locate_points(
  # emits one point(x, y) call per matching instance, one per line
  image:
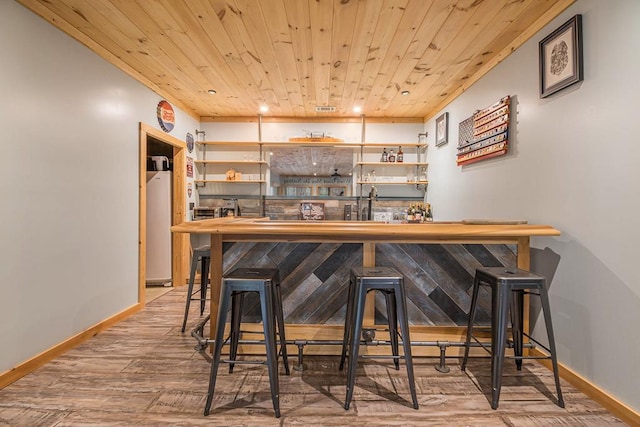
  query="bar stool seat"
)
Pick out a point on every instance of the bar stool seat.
point(266, 283)
point(391, 284)
point(202, 254)
point(508, 287)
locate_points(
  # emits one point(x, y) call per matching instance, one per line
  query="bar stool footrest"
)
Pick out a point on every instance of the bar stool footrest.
point(244, 362)
point(380, 356)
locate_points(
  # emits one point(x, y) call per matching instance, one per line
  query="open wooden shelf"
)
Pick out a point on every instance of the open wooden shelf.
point(412, 164)
point(230, 162)
point(303, 142)
point(392, 182)
point(224, 181)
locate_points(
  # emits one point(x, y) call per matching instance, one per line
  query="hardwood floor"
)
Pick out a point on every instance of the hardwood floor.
point(145, 372)
point(154, 292)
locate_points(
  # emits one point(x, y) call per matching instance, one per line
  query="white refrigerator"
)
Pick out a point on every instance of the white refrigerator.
point(158, 227)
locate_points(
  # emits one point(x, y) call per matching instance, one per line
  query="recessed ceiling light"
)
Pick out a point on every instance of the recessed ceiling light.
point(264, 108)
point(357, 109)
point(211, 92)
point(404, 93)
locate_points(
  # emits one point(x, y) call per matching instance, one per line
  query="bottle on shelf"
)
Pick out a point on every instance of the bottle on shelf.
point(400, 157)
point(423, 174)
point(392, 157)
point(385, 155)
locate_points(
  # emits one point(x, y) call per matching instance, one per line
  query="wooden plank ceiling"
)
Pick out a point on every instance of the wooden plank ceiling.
point(295, 55)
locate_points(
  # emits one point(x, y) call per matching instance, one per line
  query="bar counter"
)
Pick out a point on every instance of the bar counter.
point(392, 239)
point(263, 229)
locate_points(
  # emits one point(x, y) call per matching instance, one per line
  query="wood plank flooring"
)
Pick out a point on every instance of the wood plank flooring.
point(144, 372)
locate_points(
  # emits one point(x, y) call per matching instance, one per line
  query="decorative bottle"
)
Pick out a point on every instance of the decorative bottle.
point(385, 155)
point(392, 157)
point(400, 157)
point(423, 174)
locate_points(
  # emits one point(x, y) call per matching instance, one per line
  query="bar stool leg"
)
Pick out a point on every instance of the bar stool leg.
point(360, 294)
point(546, 310)
point(266, 303)
point(348, 323)
point(517, 325)
point(192, 278)
point(472, 315)
point(406, 342)
point(204, 282)
point(237, 302)
point(281, 334)
point(500, 296)
point(392, 319)
point(217, 346)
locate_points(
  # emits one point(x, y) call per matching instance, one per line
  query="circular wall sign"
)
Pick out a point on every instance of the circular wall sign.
point(166, 116)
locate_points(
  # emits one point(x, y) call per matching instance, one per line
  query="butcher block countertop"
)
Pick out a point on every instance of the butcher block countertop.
point(262, 229)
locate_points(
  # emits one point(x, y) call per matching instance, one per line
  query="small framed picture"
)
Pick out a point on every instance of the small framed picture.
point(561, 57)
point(311, 211)
point(442, 129)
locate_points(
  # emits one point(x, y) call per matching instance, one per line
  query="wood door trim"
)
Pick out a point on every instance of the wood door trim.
point(179, 243)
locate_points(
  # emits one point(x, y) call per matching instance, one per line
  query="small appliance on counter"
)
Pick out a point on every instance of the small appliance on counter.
point(205, 212)
point(230, 208)
point(159, 163)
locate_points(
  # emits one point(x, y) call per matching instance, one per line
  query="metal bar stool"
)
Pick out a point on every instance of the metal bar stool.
point(508, 287)
point(265, 282)
point(203, 254)
point(391, 284)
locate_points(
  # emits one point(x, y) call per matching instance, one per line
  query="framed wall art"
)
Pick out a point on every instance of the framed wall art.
point(442, 129)
point(561, 57)
point(311, 211)
point(485, 134)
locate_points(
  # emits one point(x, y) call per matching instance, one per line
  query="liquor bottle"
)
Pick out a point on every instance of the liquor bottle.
point(400, 157)
point(385, 156)
point(392, 157)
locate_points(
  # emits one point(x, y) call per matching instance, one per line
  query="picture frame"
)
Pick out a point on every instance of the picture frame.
point(311, 211)
point(442, 129)
point(560, 57)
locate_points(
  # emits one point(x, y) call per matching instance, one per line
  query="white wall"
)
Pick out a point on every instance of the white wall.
point(573, 163)
point(68, 184)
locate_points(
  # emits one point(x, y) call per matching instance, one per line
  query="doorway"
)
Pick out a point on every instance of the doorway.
point(162, 144)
